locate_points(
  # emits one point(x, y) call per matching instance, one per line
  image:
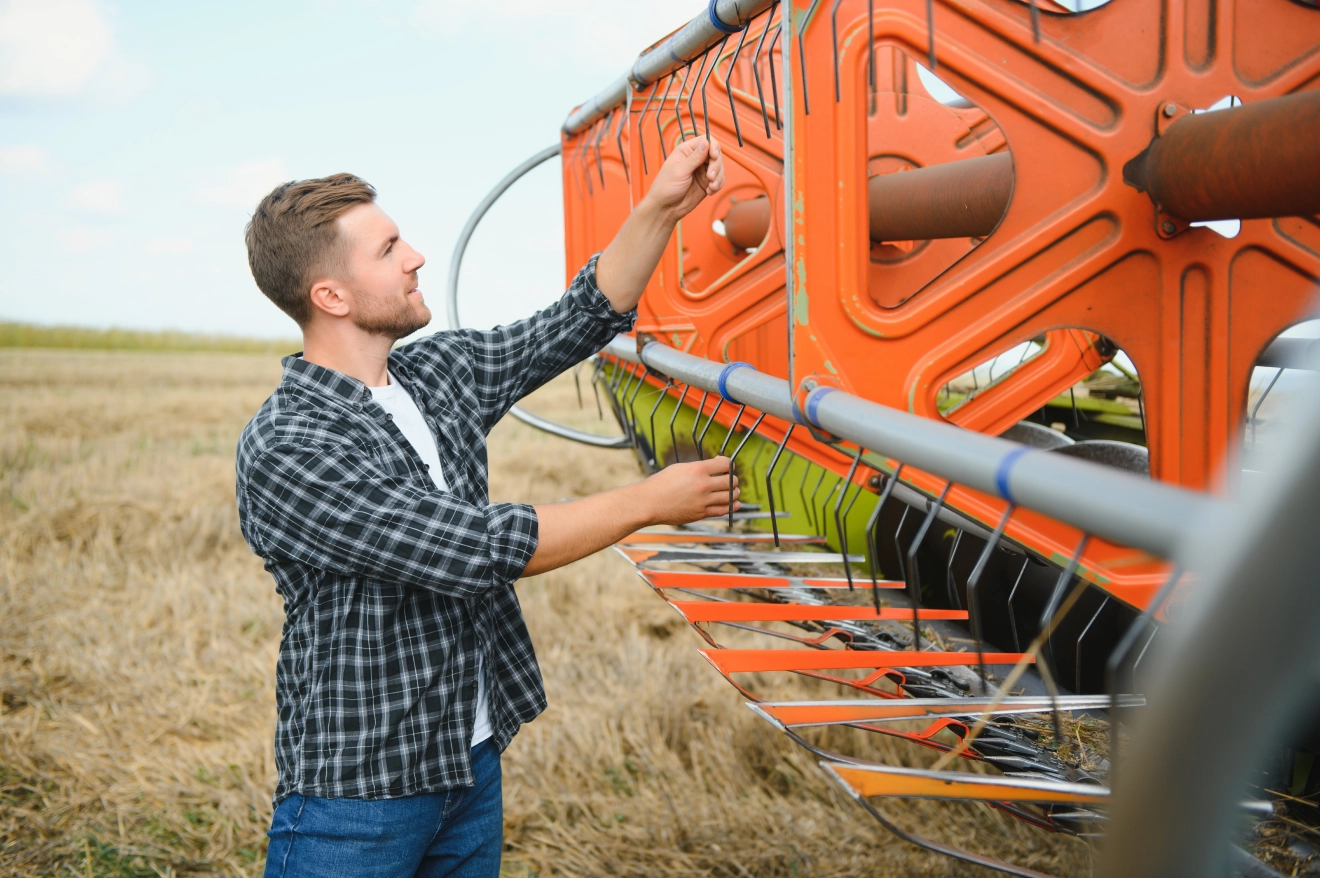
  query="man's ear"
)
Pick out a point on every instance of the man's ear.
point(330, 298)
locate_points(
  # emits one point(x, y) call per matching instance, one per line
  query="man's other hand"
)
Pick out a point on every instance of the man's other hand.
point(693, 170)
point(682, 493)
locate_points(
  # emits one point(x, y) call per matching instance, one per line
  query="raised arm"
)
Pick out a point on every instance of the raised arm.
point(693, 170)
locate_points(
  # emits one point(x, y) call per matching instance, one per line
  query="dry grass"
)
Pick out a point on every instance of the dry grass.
point(138, 638)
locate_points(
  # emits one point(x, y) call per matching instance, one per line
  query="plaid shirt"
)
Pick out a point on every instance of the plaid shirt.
point(392, 587)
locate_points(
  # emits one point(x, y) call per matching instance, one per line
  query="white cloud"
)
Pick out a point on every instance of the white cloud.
point(599, 34)
point(83, 239)
point(52, 48)
point(160, 246)
point(99, 196)
point(24, 158)
point(245, 185)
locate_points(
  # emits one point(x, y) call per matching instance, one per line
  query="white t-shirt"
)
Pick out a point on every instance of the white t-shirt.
point(408, 418)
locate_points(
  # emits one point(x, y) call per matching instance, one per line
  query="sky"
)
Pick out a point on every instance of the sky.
point(136, 137)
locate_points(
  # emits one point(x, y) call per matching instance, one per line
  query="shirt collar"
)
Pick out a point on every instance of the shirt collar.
point(319, 379)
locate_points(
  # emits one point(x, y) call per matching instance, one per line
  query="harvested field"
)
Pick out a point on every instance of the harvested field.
point(138, 638)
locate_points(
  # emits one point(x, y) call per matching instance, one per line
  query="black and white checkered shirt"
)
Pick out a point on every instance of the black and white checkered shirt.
point(391, 586)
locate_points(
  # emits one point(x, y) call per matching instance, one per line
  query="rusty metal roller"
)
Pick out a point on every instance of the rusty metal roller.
point(1251, 162)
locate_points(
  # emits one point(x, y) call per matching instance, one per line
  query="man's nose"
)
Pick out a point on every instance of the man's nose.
point(414, 261)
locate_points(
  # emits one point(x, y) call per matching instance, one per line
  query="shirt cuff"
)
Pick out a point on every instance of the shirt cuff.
point(513, 531)
point(588, 297)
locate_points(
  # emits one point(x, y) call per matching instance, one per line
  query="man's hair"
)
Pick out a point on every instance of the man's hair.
point(292, 240)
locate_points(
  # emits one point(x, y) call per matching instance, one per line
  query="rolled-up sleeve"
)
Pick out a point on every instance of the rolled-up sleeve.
point(335, 509)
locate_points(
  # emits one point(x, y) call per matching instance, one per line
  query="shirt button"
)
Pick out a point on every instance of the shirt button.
point(389, 417)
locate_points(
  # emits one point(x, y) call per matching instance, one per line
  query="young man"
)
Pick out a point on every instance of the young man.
point(405, 668)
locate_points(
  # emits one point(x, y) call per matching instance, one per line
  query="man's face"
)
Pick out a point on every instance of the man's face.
point(382, 274)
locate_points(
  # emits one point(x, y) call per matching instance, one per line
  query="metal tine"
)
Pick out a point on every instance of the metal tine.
point(802, 55)
point(825, 505)
point(623, 402)
point(618, 136)
point(732, 430)
point(930, 31)
point(1035, 20)
point(1254, 409)
point(950, 591)
point(702, 440)
point(870, 44)
point(734, 456)
point(1012, 617)
point(660, 398)
point(802, 488)
point(660, 110)
point(898, 543)
point(1077, 658)
point(728, 83)
point(696, 422)
point(584, 161)
point(600, 164)
point(811, 506)
point(696, 84)
point(834, 41)
point(912, 572)
point(973, 597)
point(705, 109)
point(1046, 618)
point(769, 492)
point(787, 466)
point(595, 380)
point(872, 541)
point(632, 400)
point(838, 519)
point(774, 86)
point(577, 382)
point(641, 137)
point(756, 67)
point(678, 101)
point(673, 437)
point(1120, 654)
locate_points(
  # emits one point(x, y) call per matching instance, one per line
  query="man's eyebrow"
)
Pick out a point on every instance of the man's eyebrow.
point(387, 244)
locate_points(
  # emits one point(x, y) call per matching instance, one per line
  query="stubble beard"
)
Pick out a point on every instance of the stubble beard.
point(394, 323)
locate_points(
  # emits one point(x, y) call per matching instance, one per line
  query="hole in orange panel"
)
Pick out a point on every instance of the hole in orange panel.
point(1285, 373)
point(918, 226)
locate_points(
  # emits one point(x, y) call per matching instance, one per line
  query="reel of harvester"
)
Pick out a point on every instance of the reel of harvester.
point(983, 372)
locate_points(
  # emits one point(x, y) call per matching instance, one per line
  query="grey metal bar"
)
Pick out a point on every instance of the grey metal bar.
point(1100, 500)
point(684, 45)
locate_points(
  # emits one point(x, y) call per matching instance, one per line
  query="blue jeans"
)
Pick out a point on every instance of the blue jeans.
point(459, 832)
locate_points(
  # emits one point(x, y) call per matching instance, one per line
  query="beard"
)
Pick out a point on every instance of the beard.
point(393, 320)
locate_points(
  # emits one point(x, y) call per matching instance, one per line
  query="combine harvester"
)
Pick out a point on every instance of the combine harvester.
point(986, 377)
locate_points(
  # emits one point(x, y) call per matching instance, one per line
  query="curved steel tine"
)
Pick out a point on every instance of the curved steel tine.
point(898, 542)
point(632, 400)
point(1043, 665)
point(623, 402)
point(1254, 409)
point(678, 101)
point(815, 523)
point(673, 437)
point(696, 422)
point(600, 164)
point(641, 138)
point(577, 382)
point(802, 55)
point(705, 109)
point(974, 599)
point(756, 67)
point(769, 492)
point(1012, 618)
point(834, 42)
point(732, 429)
point(584, 161)
point(784, 474)
point(618, 136)
point(737, 451)
point(1035, 20)
point(802, 490)
point(660, 397)
point(774, 86)
point(951, 592)
point(701, 452)
point(696, 84)
point(913, 572)
point(660, 111)
point(728, 83)
point(838, 518)
point(595, 381)
point(873, 541)
point(930, 31)
point(825, 505)
point(1120, 654)
point(1077, 658)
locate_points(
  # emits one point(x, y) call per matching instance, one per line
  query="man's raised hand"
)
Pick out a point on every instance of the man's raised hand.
point(682, 493)
point(693, 170)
